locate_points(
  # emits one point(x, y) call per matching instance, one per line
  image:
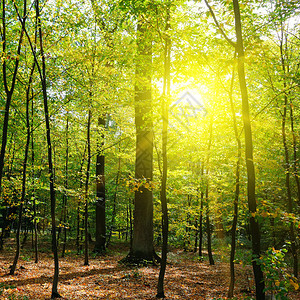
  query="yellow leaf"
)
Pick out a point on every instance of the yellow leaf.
point(294, 284)
point(277, 283)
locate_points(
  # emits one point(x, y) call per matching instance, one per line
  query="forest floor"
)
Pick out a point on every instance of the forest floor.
point(105, 278)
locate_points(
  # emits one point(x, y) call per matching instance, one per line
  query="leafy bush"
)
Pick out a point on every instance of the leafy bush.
point(277, 279)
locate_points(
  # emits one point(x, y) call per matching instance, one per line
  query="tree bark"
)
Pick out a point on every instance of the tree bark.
point(295, 153)
point(23, 194)
point(201, 214)
point(114, 210)
point(142, 250)
point(79, 231)
point(65, 195)
point(236, 194)
point(254, 226)
point(9, 92)
point(287, 166)
point(163, 191)
point(42, 73)
point(86, 238)
point(208, 229)
point(36, 255)
point(100, 191)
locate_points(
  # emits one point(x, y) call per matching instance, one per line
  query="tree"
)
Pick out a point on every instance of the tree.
point(86, 194)
point(24, 172)
point(254, 226)
point(142, 249)
point(100, 190)
point(208, 226)
point(287, 168)
point(163, 192)
point(236, 194)
point(42, 73)
point(9, 72)
point(65, 195)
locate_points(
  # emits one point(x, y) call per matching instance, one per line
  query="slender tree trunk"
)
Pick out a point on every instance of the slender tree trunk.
point(42, 73)
point(78, 245)
point(78, 226)
point(196, 224)
point(236, 194)
point(10, 207)
point(114, 210)
point(208, 228)
point(23, 194)
point(127, 223)
point(100, 190)
point(201, 214)
point(187, 241)
point(100, 245)
point(130, 223)
point(12, 154)
point(295, 153)
point(65, 195)
point(287, 164)
point(36, 259)
point(163, 191)
point(8, 91)
point(254, 226)
point(196, 236)
point(86, 240)
point(288, 188)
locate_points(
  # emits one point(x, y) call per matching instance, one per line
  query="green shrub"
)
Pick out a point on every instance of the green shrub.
point(277, 279)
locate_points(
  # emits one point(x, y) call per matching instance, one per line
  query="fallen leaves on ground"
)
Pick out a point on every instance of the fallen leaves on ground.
point(105, 278)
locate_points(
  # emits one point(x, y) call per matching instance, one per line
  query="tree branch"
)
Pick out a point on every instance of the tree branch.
point(218, 25)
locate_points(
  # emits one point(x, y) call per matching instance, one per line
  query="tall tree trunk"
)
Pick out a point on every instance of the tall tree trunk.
point(114, 210)
point(23, 194)
point(100, 190)
point(201, 214)
point(186, 242)
point(236, 194)
point(42, 73)
point(208, 228)
point(78, 234)
point(288, 189)
point(130, 222)
point(196, 224)
point(287, 162)
point(196, 236)
point(142, 250)
point(86, 238)
point(36, 255)
point(65, 195)
point(163, 191)
point(254, 226)
point(107, 28)
point(295, 153)
point(8, 91)
point(9, 210)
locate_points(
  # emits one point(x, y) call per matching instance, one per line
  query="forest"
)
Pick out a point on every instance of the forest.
point(150, 149)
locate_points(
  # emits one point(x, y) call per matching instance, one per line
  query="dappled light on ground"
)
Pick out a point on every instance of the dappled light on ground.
point(105, 278)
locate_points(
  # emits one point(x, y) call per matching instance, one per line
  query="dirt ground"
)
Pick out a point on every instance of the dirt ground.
point(105, 278)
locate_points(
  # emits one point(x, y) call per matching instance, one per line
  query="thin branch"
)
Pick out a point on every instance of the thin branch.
point(218, 25)
point(274, 98)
